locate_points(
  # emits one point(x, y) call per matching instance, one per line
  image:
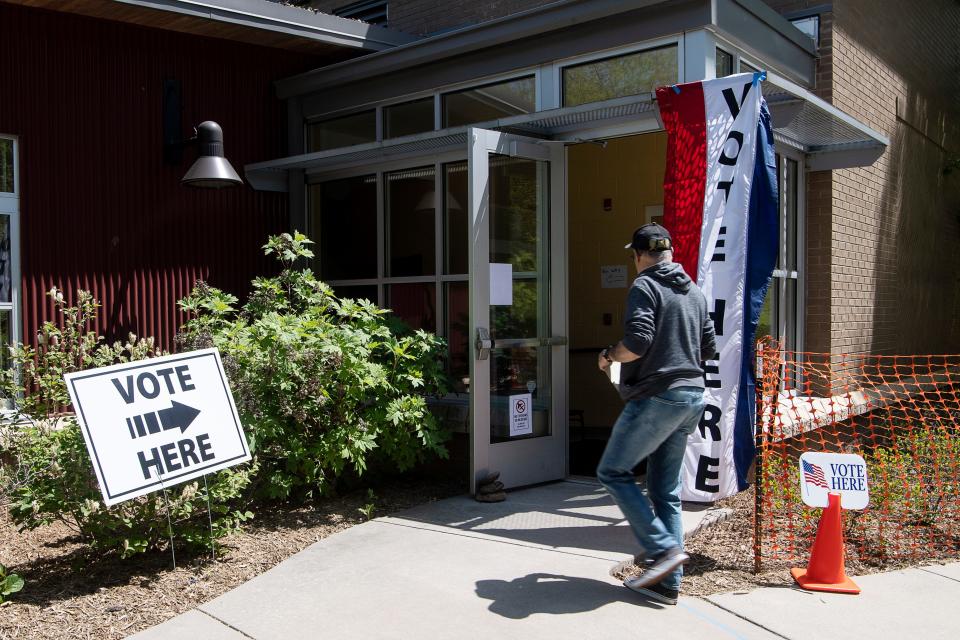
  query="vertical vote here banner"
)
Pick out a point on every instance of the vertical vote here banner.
point(720, 205)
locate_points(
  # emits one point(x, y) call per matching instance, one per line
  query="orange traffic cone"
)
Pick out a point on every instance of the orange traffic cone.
point(825, 572)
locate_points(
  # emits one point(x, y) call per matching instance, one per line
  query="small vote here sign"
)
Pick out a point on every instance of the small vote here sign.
point(154, 423)
point(843, 473)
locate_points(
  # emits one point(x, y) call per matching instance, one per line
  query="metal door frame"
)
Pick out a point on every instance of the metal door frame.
point(533, 460)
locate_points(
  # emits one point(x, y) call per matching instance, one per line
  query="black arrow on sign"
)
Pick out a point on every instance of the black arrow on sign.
point(178, 416)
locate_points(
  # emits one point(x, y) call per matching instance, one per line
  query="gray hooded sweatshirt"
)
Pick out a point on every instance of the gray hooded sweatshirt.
point(667, 324)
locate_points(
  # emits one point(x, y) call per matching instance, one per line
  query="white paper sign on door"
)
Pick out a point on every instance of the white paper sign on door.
point(501, 284)
point(521, 415)
point(613, 276)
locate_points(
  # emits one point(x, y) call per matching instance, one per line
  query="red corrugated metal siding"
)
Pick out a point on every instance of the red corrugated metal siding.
point(99, 209)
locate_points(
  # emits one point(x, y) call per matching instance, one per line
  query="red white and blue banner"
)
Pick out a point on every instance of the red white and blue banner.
point(720, 205)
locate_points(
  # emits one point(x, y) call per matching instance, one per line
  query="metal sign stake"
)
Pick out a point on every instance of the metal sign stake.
point(173, 553)
point(213, 548)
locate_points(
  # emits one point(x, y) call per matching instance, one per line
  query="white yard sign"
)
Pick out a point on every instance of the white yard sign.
point(843, 473)
point(157, 422)
point(521, 423)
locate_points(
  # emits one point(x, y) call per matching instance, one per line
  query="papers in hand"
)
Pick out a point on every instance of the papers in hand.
point(613, 373)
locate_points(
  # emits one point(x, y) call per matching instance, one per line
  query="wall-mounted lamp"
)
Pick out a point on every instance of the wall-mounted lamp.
point(211, 169)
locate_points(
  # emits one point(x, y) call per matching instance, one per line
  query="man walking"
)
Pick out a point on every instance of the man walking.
point(667, 335)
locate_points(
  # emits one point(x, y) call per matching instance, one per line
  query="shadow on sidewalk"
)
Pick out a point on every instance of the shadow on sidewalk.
point(552, 593)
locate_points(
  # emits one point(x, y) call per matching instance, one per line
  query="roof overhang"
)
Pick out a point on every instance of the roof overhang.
point(830, 138)
point(556, 30)
point(251, 21)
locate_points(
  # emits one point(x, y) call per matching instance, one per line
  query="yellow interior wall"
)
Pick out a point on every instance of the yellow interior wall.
point(629, 171)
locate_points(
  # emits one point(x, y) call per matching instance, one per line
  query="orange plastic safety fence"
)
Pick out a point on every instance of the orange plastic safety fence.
point(901, 413)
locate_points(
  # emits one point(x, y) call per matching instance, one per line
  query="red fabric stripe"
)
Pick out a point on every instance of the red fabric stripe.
point(684, 117)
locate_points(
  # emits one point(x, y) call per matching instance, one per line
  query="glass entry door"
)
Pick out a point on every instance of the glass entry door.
point(517, 308)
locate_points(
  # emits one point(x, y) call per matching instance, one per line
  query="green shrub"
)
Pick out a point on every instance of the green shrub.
point(10, 583)
point(48, 475)
point(322, 384)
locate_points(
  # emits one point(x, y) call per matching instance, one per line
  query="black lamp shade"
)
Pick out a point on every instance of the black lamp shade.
point(212, 169)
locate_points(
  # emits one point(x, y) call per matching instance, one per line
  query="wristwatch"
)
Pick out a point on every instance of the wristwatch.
point(605, 354)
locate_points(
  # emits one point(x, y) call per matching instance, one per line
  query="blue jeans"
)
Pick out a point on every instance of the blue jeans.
point(655, 428)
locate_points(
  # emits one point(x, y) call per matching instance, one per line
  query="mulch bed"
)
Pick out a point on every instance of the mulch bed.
point(71, 592)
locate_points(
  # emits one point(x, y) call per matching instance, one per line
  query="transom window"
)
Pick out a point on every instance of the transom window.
point(618, 76)
point(562, 83)
point(408, 118)
point(480, 104)
point(725, 63)
point(343, 131)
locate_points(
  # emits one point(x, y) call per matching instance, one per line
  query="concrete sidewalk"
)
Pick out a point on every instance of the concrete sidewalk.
point(536, 566)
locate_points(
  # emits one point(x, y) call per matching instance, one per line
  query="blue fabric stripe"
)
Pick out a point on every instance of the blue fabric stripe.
point(762, 235)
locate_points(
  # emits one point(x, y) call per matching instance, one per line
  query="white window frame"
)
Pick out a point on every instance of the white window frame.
point(799, 274)
point(10, 205)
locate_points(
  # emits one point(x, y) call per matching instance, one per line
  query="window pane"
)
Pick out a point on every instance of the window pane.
point(357, 292)
point(6, 165)
point(357, 128)
point(621, 76)
point(790, 193)
point(514, 372)
point(408, 118)
point(455, 218)
point(513, 212)
point(790, 316)
point(724, 63)
point(456, 320)
point(809, 26)
point(415, 304)
point(514, 196)
point(6, 265)
point(5, 340)
point(746, 67)
point(490, 102)
point(410, 222)
point(764, 327)
point(343, 221)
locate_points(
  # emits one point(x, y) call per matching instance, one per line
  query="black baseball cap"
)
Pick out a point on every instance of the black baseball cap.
point(650, 237)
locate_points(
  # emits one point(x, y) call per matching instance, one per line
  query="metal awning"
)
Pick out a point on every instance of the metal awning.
point(570, 124)
point(830, 138)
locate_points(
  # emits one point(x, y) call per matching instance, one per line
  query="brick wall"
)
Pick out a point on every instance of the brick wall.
point(881, 268)
point(423, 17)
point(895, 224)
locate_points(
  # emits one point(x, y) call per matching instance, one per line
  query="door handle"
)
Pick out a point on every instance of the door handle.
point(555, 341)
point(483, 343)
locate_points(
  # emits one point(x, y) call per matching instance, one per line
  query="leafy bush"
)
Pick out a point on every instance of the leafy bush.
point(322, 384)
point(49, 476)
point(10, 583)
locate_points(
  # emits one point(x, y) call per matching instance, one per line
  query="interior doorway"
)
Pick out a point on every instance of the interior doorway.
point(613, 187)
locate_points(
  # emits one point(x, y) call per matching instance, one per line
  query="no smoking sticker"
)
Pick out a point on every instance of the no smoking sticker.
point(521, 422)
